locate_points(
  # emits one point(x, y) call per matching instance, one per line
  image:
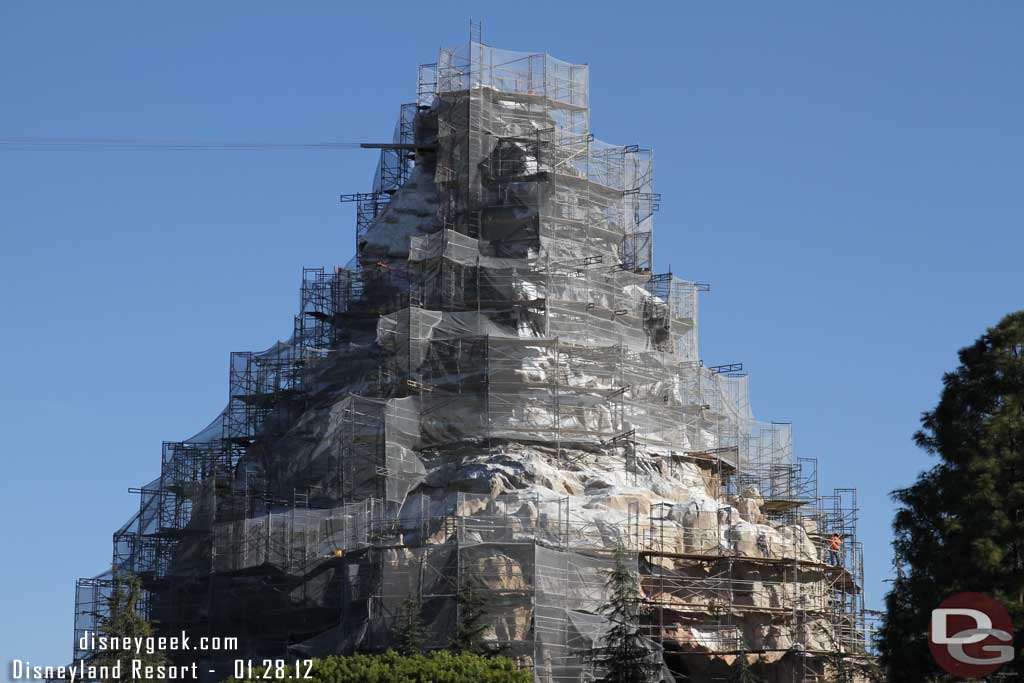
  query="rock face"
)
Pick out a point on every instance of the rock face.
point(496, 392)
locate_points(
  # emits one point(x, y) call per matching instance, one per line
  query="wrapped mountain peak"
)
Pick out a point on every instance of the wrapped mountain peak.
point(498, 390)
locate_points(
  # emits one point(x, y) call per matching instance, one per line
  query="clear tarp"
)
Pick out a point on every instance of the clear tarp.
point(499, 389)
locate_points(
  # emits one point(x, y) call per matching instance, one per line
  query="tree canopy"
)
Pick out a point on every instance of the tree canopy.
point(472, 623)
point(123, 620)
point(623, 655)
point(409, 633)
point(960, 526)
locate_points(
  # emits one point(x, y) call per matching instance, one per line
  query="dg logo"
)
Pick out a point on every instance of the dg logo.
point(970, 635)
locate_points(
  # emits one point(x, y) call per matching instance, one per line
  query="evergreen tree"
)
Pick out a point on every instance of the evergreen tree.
point(624, 655)
point(846, 669)
point(745, 672)
point(472, 624)
point(960, 526)
point(123, 620)
point(409, 634)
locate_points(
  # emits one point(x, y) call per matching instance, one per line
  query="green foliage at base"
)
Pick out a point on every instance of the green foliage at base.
point(624, 656)
point(122, 620)
point(469, 634)
point(436, 667)
point(745, 671)
point(409, 634)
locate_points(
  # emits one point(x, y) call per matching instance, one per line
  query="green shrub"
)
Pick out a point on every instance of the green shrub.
point(437, 667)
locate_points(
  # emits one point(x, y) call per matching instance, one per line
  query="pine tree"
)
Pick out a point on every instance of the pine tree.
point(745, 672)
point(846, 669)
point(968, 508)
point(409, 634)
point(123, 620)
point(624, 655)
point(469, 632)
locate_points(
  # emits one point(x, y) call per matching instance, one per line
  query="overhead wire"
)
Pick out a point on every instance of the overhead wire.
point(62, 144)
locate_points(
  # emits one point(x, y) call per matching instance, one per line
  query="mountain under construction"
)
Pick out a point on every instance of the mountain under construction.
point(497, 390)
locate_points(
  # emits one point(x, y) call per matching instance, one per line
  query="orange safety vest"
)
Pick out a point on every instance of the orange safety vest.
point(835, 542)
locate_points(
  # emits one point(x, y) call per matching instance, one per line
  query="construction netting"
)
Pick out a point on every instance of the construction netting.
point(498, 389)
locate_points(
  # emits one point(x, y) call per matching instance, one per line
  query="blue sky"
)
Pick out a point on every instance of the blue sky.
point(848, 179)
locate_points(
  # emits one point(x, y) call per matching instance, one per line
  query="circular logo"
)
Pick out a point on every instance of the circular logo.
point(970, 635)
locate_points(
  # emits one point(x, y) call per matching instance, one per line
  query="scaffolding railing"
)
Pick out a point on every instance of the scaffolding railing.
point(529, 75)
point(525, 317)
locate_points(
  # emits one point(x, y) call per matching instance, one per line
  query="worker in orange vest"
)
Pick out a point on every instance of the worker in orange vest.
point(835, 544)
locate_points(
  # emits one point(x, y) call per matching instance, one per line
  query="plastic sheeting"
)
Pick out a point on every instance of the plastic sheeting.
point(496, 389)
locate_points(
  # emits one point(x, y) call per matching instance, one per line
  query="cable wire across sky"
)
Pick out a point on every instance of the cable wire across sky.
point(61, 144)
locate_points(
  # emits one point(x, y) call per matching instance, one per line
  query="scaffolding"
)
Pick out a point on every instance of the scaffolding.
point(498, 389)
